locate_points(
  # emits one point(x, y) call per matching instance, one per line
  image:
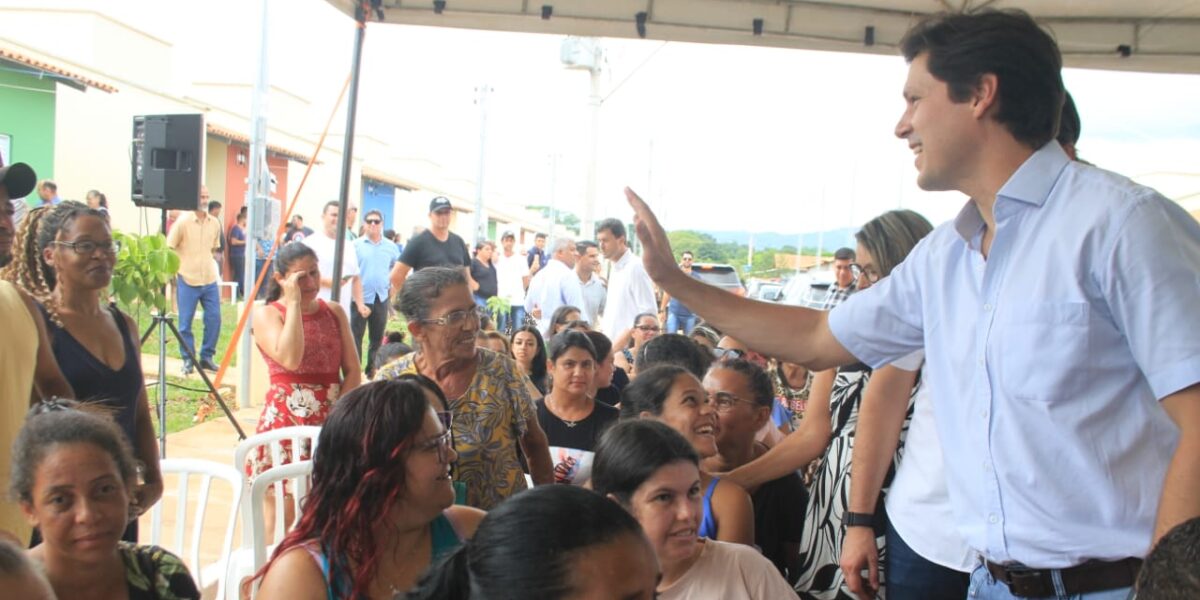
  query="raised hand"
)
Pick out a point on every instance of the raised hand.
point(656, 248)
point(290, 288)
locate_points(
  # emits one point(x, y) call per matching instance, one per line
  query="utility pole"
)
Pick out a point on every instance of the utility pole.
point(480, 217)
point(258, 189)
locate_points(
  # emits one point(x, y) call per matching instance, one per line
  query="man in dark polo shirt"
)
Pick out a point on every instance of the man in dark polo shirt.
point(434, 247)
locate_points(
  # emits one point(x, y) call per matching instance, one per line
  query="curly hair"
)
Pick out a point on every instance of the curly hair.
point(61, 421)
point(40, 228)
point(359, 475)
point(756, 377)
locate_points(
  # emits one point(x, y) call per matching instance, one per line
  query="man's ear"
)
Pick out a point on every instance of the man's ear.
point(985, 95)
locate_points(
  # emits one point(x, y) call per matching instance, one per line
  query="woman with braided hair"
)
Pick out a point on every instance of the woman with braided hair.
point(64, 257)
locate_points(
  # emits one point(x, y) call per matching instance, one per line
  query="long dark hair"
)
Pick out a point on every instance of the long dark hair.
point(358, 475)
point(537, 372)
point(631, 451)
point(649, 390)
point(288, 254)
point(526, 547)
point(559, 319)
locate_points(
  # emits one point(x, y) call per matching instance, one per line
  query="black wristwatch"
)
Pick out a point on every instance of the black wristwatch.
point(853, 519)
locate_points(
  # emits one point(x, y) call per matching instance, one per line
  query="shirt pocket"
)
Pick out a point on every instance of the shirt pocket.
point(1041, 351)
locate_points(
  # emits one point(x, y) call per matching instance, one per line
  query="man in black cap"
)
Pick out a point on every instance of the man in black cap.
point(434, 247)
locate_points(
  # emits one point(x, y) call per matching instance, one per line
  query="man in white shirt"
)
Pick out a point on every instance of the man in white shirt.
point(630, 292)
point(555, 285)
point(512, 277)
point(322, 242)
point(593, 288)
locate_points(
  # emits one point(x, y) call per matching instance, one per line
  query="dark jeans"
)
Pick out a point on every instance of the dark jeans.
point(259, 265)
point(513, 320)
point(208, 297)
point(237, 264)
point(376, 322)
point(911, 577)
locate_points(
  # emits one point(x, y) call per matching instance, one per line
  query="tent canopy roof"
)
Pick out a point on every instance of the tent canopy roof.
point(1157, 35)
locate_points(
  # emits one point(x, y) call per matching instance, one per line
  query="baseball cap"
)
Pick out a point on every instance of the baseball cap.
point(18, 178)
point(439, 203)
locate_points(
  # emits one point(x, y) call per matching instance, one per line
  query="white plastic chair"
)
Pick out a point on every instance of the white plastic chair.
point(208, 471)
point(298, 434)
point(253, 554)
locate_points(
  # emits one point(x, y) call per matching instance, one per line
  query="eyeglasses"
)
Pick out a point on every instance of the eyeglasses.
point(728, 353)
point(859, 271)
point(88, 248)
point(444, 442)
point(649, 328)
point(724, 402)
point(456, 318)
point(373, 221)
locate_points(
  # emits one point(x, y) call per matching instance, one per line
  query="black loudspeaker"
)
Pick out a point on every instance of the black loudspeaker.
point(167, 161)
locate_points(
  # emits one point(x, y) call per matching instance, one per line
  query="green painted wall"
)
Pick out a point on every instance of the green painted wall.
point(27, 116)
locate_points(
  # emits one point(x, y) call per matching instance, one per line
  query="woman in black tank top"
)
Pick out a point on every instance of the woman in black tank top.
point(65, 258)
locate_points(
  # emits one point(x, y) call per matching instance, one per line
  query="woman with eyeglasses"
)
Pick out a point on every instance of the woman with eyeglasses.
point(646, 327)
point(65, 255)
point(74, 474)
point(673, 395)
point(780, 424)
point(570, 416)
point(309, 350)
point(381, 508)
point(652, 471)
point(827, 431)
point(488, 394)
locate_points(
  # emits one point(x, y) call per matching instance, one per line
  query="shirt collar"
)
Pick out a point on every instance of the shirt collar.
point(1031, 184)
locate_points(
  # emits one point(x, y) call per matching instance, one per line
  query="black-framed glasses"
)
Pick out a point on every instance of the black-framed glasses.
point(373, 221)
point(456, 318)
point(859, 271)
point(649, 328)
point(728, 353)
point(443, 442)
point(88, 248)
point(724, 401)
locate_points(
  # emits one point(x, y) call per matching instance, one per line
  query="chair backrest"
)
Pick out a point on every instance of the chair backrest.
point(207, 471)
point(299, 436)
point(298, 475)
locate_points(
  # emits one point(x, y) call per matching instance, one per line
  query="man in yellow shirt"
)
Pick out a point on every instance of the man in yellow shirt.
point(26, 359)
point(194, 236)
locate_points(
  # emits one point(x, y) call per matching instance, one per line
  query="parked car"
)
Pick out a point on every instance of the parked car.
point(807, 289)
point(769, 291)
point(722, 276)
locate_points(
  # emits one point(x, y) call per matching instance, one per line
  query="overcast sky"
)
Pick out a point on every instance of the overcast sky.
point(718, 137)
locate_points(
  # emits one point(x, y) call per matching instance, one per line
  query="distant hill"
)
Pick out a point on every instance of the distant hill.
point(833, 239)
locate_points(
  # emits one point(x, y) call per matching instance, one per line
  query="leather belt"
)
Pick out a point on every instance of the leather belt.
point(1091, 576)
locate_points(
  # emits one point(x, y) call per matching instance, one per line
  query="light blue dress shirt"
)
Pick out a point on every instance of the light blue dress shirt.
point(553, 286)
point(375, 260)
point(1047, 359)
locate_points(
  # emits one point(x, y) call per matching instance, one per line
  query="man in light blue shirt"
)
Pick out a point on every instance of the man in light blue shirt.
point(376, 257)
point(554, 285)
point(1057, 312)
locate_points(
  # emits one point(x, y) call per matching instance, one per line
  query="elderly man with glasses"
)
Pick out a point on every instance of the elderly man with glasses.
point(376, 257)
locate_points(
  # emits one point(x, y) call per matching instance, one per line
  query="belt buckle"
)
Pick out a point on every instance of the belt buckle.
point(1027, 583)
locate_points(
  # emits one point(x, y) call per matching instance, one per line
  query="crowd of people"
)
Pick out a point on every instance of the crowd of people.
point(1003, 406)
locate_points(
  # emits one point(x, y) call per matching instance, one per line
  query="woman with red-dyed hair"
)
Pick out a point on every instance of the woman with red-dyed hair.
point(380, 510)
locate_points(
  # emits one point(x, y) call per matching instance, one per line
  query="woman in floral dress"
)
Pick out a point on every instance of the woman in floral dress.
point(308, 349)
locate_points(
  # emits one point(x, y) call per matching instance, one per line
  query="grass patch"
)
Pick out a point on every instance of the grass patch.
point(185, 400)
point(229, 318)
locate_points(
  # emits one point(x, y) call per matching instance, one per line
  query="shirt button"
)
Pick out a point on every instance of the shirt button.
point(993, 519)
point(981, 362)
point(987, 307)
point(983, 413)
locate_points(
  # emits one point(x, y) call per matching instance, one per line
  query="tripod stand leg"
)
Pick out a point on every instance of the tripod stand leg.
point(207, 382)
